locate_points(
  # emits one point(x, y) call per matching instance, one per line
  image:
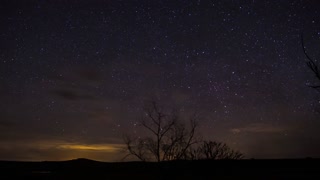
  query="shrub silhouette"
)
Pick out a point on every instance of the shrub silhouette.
point(212, 150)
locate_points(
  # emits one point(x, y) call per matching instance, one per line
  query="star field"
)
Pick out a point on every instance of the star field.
point(75, 74)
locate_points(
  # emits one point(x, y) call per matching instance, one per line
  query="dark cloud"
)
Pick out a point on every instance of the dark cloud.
point(73, 95)
point(90, 75)
point(4, 123)
point(79, 74)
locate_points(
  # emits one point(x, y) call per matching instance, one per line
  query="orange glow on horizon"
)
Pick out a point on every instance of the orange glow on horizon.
point(93, 147)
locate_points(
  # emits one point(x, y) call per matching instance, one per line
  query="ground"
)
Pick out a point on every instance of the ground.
point(224, 169)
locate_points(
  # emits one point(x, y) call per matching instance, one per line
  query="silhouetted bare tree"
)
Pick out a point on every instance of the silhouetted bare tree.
point(212, 150)
point(169, 138)
point(311, 64)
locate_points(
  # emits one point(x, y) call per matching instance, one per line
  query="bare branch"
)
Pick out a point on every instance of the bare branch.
point(311, 63)
point(136, 150)
point(144, 124)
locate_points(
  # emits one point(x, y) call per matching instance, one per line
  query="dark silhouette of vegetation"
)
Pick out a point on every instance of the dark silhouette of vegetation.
point(311, 64)
point(170, 139)
point(211, 150)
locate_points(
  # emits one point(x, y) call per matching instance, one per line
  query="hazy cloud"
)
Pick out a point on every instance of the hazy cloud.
point(258, 128)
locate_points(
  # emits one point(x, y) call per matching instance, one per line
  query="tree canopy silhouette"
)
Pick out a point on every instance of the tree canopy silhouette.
point(169, 138)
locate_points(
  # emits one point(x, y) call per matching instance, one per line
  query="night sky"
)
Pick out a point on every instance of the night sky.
point(74, 75)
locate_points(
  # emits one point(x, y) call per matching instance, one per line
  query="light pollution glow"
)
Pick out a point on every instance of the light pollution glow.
point(60, 150)
point(93, 147)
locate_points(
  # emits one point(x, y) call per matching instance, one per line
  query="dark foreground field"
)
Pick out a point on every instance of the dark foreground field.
point(226, 169)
